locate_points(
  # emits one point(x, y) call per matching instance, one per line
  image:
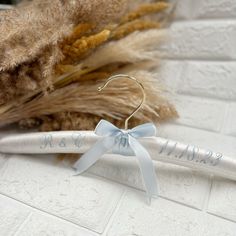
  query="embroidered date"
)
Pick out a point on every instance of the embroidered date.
point(190, 153)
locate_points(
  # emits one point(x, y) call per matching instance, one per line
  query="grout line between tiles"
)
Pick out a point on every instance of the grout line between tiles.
point(110, 221)
point(23, 224)
point(207, 197)
point(47, 213)
point(221, 217)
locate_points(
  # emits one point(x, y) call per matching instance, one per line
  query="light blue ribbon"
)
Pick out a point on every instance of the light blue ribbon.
point(123, 142)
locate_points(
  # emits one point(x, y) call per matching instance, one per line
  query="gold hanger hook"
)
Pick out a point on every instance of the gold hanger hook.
point(131, 78)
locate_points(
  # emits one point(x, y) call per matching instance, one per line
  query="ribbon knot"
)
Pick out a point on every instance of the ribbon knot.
point(123, 142)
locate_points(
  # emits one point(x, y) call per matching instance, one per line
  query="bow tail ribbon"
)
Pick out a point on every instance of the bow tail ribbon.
point(93, 154)
point(146, 167)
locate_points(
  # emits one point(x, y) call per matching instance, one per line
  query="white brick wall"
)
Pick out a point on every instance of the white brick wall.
point(203, 40)
point(203, 49)
point(40, 197)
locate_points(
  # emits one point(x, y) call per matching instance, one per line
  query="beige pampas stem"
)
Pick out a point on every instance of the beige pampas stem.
point(133, 48)
point(145, 9)
point(136, 25)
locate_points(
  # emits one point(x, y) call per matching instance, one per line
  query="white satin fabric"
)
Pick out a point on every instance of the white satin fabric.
point(159, 148)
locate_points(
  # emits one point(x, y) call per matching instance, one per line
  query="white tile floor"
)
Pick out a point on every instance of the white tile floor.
point(39, 196)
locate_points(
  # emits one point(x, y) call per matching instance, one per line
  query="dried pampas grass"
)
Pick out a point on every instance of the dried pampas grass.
point(136, 47)
point(122, 94)
point(28, 29)
point(139, 46)
point(51, 84)
point(145, 9)
point(32, 33)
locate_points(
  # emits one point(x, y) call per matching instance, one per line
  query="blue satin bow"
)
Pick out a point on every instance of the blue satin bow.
point(123, 142)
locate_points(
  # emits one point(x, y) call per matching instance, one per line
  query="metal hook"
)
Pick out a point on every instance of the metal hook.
point(140, 85)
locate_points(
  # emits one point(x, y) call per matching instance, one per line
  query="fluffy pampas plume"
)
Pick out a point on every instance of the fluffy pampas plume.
point(54, 55)
point(136, 47)
point(31, 28)
point(31, 33)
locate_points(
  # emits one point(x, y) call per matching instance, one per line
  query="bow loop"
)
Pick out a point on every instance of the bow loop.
point(144, 130)
point(105, 128)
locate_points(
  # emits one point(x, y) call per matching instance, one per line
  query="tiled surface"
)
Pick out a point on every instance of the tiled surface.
point(3, 160)
point(40, 225)
point(179, 184)
point(40, 197)
point(223, 199)
point(19, 219)
point(53, 189)
point(165, 218)
point(12, 215)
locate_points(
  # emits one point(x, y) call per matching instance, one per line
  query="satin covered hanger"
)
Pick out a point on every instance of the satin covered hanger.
point(140, 141)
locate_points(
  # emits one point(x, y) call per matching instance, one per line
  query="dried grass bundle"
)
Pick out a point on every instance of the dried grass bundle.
point(138, 46)
point(74, 97)
point(32, 32)
point(28, 29)
point(54, 81)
